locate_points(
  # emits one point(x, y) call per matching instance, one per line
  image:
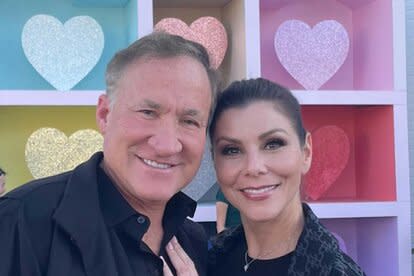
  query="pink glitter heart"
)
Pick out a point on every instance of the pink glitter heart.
point(311, 56)
point(330, 155)
point(207, 31)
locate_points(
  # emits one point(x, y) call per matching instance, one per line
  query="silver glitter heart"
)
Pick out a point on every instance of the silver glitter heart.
point(63, 54)
point(204, 179)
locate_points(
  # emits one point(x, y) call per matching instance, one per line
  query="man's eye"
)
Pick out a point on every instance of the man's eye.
point(148, 112)
point(274, 144)
point(230, 151)
point(192, 123)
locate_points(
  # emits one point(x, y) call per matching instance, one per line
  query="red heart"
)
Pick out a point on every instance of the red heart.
point(207, 31)
point(330, 155)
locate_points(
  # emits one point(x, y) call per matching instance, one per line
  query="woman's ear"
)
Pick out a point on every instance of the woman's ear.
point(307, 153)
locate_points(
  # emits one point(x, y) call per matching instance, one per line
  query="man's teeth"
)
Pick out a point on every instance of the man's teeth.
point(261, 190)
point(155, 164)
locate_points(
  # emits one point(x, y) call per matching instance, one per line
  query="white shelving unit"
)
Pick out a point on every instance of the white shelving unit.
point(385, 215)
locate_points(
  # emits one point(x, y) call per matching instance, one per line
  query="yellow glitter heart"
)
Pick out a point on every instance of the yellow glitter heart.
point(49, 151)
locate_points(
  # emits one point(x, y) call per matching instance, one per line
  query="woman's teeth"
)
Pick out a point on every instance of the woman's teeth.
point(260, 190)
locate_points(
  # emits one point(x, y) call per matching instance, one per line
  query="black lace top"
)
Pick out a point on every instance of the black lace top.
point(317, 253)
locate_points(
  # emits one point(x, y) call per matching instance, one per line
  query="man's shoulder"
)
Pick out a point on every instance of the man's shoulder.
point(39, 187)
point(35, 196)
point(194, 230)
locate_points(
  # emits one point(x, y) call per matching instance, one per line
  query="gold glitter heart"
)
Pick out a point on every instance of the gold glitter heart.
point(49, 151)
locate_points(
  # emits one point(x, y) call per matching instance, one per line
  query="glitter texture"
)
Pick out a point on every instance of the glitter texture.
point(207, 31)
point(331, 150)
point(62, 54)
point(311, 56)
point(204, 179)
point(49, 151)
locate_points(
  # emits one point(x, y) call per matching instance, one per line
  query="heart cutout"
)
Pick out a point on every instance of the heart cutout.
point(331, 150)
point(207, 31)
point(49, 151)
point(205, 177)
point(62, 54)
point(311, 56)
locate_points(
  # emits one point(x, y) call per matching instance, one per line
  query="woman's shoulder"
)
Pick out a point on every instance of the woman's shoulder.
point(318, 249)
point(345, 266)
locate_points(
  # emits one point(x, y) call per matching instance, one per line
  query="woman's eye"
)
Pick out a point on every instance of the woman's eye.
point(274, 144)
point(230, 151)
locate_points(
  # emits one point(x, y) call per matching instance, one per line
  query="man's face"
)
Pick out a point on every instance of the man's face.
point(155, 131)
point(2, 183)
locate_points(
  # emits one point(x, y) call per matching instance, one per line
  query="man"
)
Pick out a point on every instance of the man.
point(2, 181)
point(116, 213)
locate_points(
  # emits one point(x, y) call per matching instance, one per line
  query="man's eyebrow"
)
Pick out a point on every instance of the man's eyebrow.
point(150, 104)
point(191, 112)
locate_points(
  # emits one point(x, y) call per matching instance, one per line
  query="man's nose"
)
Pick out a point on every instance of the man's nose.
point(166, 139)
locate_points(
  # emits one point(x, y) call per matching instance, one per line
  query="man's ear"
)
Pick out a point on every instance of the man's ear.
point(307, 153)
point(102, 112)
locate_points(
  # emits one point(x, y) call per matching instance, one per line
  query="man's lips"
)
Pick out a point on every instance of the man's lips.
point(155, 164)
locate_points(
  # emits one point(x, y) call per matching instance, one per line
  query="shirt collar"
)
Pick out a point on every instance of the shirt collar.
point(115, 208)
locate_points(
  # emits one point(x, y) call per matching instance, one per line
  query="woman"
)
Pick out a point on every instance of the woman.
point(261, 150)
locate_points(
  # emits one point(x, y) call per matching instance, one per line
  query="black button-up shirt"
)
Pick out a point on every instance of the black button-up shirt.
point(126, 227)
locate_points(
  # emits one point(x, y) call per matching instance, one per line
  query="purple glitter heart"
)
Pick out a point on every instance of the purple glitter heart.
point(311, 56)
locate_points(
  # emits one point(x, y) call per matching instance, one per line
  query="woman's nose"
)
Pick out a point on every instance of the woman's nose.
point(255, 164)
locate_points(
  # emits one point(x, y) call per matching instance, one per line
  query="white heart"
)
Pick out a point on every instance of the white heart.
point(311, 56)
point(63, 54)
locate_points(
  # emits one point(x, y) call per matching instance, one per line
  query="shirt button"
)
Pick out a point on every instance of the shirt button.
point(140, 219)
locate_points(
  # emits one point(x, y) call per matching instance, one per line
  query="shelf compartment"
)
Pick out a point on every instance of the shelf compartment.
point(369, 23)
point(19, 122)
point(229, 12)
point(370, 172)
point(16, 73)
point(371, 242)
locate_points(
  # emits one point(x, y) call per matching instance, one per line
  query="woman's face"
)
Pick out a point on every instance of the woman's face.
point(259, 160)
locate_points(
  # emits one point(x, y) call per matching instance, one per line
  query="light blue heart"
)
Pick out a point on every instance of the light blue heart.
point(63, 54)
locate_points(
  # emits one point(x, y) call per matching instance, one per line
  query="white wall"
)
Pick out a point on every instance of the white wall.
point(410, 98)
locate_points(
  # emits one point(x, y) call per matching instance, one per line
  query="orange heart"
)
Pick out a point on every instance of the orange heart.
point(207, 31)
point(331, 149)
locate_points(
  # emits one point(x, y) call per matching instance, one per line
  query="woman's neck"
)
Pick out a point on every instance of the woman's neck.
point(277, 237)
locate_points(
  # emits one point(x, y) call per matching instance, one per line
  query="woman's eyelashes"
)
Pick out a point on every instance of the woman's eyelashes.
point(230, 150)
point(272, 144)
